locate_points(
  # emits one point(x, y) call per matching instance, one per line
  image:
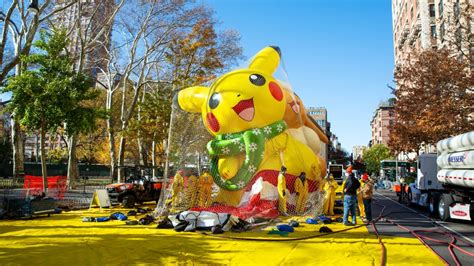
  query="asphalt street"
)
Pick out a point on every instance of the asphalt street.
point(398, 218)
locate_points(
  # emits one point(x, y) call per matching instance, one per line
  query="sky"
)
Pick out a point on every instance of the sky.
point(338, 54)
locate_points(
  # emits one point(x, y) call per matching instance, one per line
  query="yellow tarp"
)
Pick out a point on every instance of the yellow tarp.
point(65, 240)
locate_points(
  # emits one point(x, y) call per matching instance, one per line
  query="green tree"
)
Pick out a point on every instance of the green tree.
point(49, 94)
point(374, 155)
point(198, 56)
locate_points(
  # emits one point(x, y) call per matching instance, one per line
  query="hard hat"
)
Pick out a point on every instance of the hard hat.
point(349, 170)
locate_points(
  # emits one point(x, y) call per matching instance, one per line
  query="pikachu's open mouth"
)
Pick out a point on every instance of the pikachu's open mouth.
point(245, 109)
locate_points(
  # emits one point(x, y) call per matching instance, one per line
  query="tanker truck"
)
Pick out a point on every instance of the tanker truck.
point(445, 181)
point(456, 174)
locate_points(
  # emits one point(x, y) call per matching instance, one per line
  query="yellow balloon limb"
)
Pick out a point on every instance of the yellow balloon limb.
point(301, 188)
point(191, 191)
point(282, 196)
point(176, 189)
point(205, 190)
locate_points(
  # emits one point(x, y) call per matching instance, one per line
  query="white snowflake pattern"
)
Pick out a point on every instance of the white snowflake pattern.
point(252, 168)
point(241, 147)
point(262, 155)
point(226, 150)
point(280, 128)
point(253, 146)
point(236, 140)
point(256, 131)
point(241, 184)
point(267, 130)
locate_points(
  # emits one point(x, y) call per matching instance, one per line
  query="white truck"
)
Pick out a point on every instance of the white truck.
point(445, 181)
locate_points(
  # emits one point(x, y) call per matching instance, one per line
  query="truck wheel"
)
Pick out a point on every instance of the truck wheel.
point(443, 206)
point(128, 201)
point(433, 205)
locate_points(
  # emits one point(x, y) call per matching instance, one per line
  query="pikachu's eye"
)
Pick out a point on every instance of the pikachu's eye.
point(215, 100)
point(257, 79)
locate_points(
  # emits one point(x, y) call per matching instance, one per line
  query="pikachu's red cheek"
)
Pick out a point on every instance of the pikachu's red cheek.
point(275, 90)
point(212, 122)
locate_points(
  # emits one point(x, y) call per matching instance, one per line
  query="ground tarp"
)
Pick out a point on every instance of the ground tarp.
point(65, 240)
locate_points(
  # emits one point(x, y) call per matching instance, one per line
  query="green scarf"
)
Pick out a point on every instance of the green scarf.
point(252, 142)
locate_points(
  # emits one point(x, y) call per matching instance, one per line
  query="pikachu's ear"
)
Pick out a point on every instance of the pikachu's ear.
point(266, 60)
point(191, 99)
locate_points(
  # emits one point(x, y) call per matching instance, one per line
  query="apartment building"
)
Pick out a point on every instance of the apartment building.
point(85, 20)
point(320, 115)
point(357, 152)
point(383, 117)
point(432, 24)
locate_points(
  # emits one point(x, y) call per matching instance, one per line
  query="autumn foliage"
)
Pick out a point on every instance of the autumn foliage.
point(434, 100)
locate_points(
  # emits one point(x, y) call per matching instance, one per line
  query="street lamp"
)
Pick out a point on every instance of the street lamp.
point(33, 7)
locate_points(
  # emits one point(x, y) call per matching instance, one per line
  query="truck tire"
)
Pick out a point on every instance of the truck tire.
point(443, 206)
point(433, 204)
point(128, 201)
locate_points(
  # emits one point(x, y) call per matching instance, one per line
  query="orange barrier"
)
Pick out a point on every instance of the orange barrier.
point(397, 188)
point(57, 185)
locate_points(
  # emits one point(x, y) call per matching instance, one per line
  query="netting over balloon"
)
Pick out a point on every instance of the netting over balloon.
point(252, 151)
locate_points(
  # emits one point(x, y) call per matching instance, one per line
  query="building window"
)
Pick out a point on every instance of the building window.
point(432, 10)
point(390, 122)
point(433, 31)
point(441, 32)
point(411, 13)
point(440, 8)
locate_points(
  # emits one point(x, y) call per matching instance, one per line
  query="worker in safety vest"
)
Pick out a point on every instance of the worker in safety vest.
point(367, 192)
point(330, 187)
point(360, 204)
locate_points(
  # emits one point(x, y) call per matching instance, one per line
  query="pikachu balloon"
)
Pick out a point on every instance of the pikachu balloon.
point(244, 110)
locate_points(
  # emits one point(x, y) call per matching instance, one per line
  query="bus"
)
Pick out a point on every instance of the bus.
point(388, 170)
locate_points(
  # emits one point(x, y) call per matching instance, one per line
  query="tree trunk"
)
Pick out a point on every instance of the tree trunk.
point(72, 167)
point(18, 154)
point(44, 171)
point(121, 158)
point(37, 148)
point(17, 138)
point(153, 156)
point(141, 152)
point(113, 165)
point(110, 129)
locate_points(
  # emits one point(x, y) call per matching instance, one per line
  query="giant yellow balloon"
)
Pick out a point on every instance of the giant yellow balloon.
point(244, 109)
